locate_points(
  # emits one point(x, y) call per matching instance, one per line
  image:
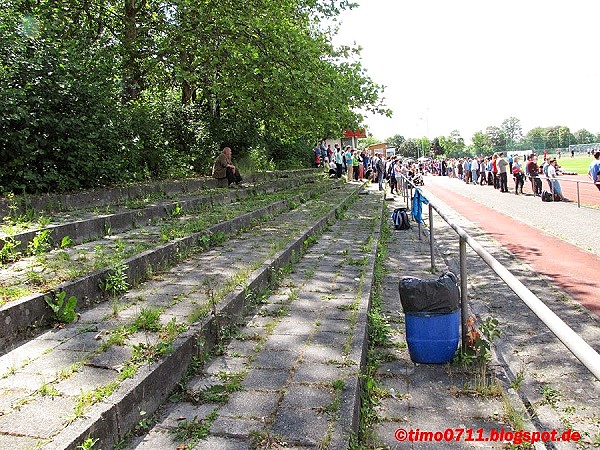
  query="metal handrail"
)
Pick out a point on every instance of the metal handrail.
point(574, 343)
point(560, 178)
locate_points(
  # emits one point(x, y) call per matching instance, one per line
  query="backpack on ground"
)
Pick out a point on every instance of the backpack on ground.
point(400, 219)
point(547, 196)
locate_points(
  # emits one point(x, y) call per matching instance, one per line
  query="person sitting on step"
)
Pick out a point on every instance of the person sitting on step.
point(224, 169)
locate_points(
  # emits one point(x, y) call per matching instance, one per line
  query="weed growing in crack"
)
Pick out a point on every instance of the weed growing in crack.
point(148, 319)
point(550, 394)
point(116, 283)
point(379, 331)
point(478, 353)
point(9, 252)
point(194, 430)
point(87, 444)
point(41, 243)
point(266, 440)
point(63, 308)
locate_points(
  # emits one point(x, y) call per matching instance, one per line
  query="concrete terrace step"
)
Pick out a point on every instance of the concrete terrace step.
point(117, 195)
point(292, 373)
point(94, 377)
point(82, 226)
point(31, 312)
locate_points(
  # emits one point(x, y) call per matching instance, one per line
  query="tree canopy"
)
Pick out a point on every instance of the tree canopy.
point(106, 91)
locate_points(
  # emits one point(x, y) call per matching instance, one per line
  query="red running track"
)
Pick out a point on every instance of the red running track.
point(570, 268)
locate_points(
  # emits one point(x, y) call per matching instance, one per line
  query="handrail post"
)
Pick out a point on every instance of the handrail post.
point(463, 291)
point(578, 199)
point(431, 238)
point(403, 188)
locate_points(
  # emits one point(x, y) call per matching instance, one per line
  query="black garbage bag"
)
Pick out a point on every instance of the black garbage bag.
point(435, 296)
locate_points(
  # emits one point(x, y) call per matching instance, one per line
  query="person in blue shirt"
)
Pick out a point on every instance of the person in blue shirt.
point(595, 169)
point(348, 158)
point(339, 161)
point(324, 155)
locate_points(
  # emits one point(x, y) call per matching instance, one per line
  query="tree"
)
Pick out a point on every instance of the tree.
point(435, 149)
point(565, 137)
point(424, 146)
point(409, 149)
point(365, 142)
point(395, 141)
point(583, 136)
point(511, 128)
point(496, 138)
point(115, 90)
point(552, 137)
point(481, 144)
point(453, 145)
point(536, 138)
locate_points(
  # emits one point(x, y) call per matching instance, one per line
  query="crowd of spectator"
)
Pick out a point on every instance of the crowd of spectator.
point(497, 169)
point(358, 165)
point(494, 170)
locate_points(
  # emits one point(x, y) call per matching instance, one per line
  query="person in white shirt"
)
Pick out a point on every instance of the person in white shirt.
point(553, 180)
point(482, 172)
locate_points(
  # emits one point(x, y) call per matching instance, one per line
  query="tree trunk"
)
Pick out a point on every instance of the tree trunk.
point(133, 79)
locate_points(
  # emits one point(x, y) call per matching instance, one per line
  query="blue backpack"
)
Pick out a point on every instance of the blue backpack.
point(400, 219)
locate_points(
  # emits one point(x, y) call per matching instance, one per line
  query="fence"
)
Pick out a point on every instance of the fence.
point(576, 345)
point(589, 192)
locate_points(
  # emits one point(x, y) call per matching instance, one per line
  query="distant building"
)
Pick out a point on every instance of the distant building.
point(381, 148)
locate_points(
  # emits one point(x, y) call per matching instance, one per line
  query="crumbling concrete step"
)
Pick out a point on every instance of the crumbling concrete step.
point(290, 376)
point(82, 227)
point(97, 377)
point(111, 196)
point(30, 314)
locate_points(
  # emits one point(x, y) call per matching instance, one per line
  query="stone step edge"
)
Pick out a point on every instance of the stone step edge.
point(93, 228)
point(111, 420)
point(30, 315)
point(350, 399)
point(102, 197)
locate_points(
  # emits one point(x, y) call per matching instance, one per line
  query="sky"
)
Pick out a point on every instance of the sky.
point(468, 64)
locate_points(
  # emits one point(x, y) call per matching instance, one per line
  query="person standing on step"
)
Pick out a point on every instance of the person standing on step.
point(517, 171)
point(534, 174)
point(339, 161)
point(594, 171)
point(356, 163)
point(379, 165)
point(474, 170)
point(348, 156)
point(502, 165)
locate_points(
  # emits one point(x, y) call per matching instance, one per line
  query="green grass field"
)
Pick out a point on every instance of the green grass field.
point(579, 164)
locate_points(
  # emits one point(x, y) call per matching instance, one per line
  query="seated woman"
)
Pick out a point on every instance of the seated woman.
point(332, 169)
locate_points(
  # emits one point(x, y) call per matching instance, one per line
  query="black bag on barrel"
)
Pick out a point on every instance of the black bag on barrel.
point(434, 296)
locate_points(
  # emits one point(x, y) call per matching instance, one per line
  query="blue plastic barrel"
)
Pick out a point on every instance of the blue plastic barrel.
point(432, 338)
